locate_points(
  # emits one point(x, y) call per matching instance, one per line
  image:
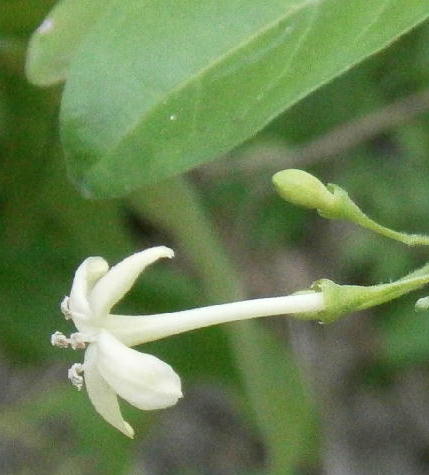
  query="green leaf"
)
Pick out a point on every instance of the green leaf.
point(154, 91)
point(54, 43)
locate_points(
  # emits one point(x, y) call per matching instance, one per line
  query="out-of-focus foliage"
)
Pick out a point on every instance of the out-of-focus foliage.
point(47, 228)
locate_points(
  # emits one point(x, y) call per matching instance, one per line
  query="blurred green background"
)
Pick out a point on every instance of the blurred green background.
point(366, 378)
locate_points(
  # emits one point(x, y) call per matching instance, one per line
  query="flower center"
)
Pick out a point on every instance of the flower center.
point(77, 341)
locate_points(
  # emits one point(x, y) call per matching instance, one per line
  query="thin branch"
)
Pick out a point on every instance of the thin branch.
point(351, 134)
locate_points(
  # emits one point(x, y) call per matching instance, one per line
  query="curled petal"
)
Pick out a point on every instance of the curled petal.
point(143, 380)
point(120, 278)
point(102, 396)
point(85, 277)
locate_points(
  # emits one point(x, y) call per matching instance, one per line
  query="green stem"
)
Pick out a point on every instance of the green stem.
point(345, 208)
point(175, 206)
point(408, 239)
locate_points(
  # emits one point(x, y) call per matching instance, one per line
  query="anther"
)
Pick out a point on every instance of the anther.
point(74, 375)
point(60, 340)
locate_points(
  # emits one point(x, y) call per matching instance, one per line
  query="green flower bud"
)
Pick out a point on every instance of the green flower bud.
point(302, 189)
point(422, 304)
point(332, 202)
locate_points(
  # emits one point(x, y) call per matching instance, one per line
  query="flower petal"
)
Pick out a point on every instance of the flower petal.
point(85, 277)
point(102, 395)
point(120, 278)
point(143, 380)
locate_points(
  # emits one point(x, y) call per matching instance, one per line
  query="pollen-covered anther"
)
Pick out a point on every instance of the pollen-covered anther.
point(65, 308)
point(74, 374)
point(60, 340)
point(78, 341)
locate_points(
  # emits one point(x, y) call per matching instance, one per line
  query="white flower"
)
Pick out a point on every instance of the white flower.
point(110, 367)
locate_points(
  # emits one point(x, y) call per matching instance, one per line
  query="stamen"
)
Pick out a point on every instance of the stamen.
point(60, 340)
point(65, 308)
point(74, 375)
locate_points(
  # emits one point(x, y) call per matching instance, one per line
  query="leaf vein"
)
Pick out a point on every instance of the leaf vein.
point(299, 44)
point(374, 21)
